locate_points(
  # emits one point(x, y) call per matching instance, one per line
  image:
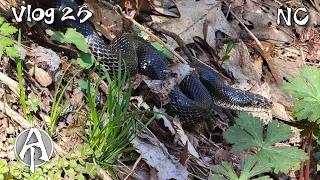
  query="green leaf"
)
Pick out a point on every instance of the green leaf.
point(71, 173)
point(72, 36)
point(82, 84)
point(225, 57)
point(306, 88)
point(248, 133)
point(7, 44)
point(226, 169)
point(164, 51)
point(282, 158)
point(230, 46)
point(11, 140)
point(5, 41)
point(58, 36)
point(3, 163)
point(86, 60)
point(6, 29)
point(81, 177)
point(12, 52)
point(250, 168)
point(73, 163)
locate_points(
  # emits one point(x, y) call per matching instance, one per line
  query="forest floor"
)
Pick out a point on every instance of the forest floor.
point(167, 149)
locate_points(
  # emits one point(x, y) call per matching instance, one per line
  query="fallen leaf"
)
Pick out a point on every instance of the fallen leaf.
point(42, 77)
point(155, 157)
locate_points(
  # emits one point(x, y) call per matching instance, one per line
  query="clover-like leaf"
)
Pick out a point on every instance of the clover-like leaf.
point(248, 133)
point(306, 88)
point(250, 168)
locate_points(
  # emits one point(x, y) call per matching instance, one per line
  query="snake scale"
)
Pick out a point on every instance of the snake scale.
point(191, 100)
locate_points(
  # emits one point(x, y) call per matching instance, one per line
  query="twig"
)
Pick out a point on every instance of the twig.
point(134, 167)
point(13, 85)
point(248, 31)
point(177, 38)
point(102, 84)
point(302, 162)
point(309, 139)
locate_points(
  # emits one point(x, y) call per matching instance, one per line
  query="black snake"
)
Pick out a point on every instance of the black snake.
point(191, 100)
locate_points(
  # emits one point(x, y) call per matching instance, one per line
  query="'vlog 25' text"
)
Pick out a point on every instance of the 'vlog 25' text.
point(39, 14)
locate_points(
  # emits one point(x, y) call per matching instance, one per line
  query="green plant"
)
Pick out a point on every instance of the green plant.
point(71, 36)
point(33, 103)
point(230, 46)
point(250, 168)
point(7, 47)
point(20, 80)
point(72, 166)
point(6, 42)
point(3, 168)
point(118, 130)
point(56, 110)
point(248, 133)
point(306, 89)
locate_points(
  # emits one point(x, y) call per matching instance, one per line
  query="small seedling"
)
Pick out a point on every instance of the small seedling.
point(230, 46)
point(33, 103)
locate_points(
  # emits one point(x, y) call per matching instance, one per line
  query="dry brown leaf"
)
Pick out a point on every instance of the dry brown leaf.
point(42, 77)
point(164, 7)
point(184, 155)
point(163, 88)
point(106, 21)
point(46, 58)
point(156, 158)
point(222, 155)
point(262, 16)
point(193, 16)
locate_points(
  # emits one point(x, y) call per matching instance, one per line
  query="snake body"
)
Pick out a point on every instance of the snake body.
point(191, 100)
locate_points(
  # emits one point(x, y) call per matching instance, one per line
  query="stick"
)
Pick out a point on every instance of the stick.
point(248, 30)
point(13, 85)
point(177, 38)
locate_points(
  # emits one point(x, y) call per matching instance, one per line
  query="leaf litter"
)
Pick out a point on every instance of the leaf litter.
point(245, 69)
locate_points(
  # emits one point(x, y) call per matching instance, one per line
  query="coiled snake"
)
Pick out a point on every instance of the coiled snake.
point(194, 96)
